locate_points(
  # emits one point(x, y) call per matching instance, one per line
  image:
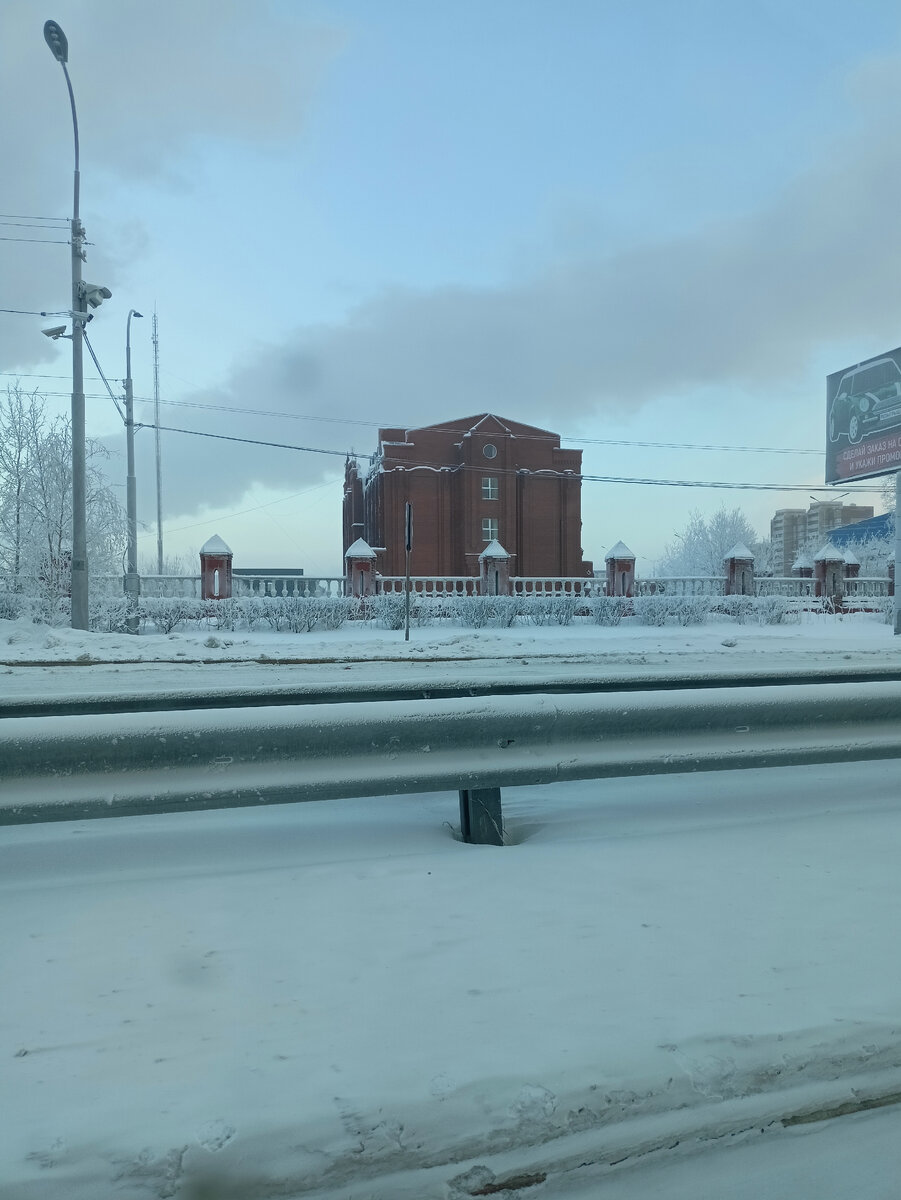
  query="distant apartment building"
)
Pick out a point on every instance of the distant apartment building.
point(471, 481)
point(824, 516)
point(794, 529)
point(788, 533)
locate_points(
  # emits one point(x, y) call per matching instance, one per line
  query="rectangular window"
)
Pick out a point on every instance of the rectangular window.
point(489, 487)
point(489, 529)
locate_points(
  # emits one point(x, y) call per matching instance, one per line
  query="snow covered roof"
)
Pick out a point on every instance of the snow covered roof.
point(620, 550)
point(851, 559)
point(829, 553)
point(215, 545)
point(359, 549)
point(494, 550)
point(739, 550)
point(802, 563)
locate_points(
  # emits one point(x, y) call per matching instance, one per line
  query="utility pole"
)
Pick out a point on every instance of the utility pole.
point(132, 579)
point(59, 48)
point(159, 466)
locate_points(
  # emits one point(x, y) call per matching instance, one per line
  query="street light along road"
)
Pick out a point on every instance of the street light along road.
point(82, 295)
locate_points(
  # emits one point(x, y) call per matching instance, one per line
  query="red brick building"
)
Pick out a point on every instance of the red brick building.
point(470, 481)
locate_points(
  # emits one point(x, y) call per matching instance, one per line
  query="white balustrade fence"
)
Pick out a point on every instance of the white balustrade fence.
point(687, 585)
point(288, 585)
point(531, 585)
point(864, 587)
point(428, 585)
point(170, 586)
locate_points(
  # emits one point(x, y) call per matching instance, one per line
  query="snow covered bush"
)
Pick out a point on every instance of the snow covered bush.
point(225, 613)
point(166, 612)
point(774, 610)
point(388, 610)
point(741, 608)
point(690, 610)
point(108, 614)
point(12, 605)
point(333, 611)
point(609, 610)
point(474, 612)
point(651, 610)
point(556, 609)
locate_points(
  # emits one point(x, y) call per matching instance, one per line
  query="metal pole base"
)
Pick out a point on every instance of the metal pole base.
point(132, 589)
point(481, 818)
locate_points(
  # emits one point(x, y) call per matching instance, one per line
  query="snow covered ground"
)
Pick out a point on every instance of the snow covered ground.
point(340, 999)
point(35, 659)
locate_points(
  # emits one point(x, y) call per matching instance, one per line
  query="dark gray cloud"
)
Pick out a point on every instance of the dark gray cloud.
point(744, 303)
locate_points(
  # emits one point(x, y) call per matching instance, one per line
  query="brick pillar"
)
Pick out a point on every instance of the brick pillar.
point(739, 566)
point(494, 571)
point(359, 569)
point(829, 572)
point(215, 570)
point(620, 564)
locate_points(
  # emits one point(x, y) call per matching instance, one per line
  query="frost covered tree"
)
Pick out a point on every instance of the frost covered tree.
point(36, 497)
point(702, 545)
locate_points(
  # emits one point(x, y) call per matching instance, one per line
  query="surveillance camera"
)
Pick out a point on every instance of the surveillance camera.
point(95, 294)
point(57, 331)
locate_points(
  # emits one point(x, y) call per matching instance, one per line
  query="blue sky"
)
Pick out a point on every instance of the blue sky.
point(651, 221)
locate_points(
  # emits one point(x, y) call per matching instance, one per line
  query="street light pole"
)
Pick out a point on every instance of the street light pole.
point(132, 579)
point(59, 48)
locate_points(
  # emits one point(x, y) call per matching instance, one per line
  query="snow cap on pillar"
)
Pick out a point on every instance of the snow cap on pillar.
point(803, 563)
point(215, 545)
point(739, 551)
point(359, 549)
point(620, 550)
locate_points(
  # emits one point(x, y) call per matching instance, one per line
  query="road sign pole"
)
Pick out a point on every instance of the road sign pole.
point(897, 551)
point(408, 544)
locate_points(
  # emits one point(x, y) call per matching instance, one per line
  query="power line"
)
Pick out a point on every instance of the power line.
point(43, 241)
point(24, 225)
point(279, 413)
point(27, 312)
point(225, 437)
point(264, 412)
point(30, 217)
point(549, 474)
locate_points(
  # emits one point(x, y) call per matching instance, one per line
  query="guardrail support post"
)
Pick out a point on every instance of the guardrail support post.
point(481, 818)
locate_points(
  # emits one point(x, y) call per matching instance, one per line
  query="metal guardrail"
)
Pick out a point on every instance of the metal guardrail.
point(75, 767)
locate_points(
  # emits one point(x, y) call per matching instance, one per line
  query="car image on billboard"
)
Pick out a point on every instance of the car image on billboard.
point(863, 404)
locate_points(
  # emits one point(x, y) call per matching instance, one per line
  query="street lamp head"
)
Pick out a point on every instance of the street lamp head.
point(56, 40)
point(134, 313)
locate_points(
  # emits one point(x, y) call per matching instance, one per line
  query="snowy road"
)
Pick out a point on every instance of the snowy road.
point(342, 1000)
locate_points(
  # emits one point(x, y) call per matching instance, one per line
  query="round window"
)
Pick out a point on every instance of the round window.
point(489, 450)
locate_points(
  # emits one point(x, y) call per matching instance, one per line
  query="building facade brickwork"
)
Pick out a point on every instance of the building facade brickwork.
point(470, 481)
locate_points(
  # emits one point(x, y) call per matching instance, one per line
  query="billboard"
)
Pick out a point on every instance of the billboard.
point(863, 419)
